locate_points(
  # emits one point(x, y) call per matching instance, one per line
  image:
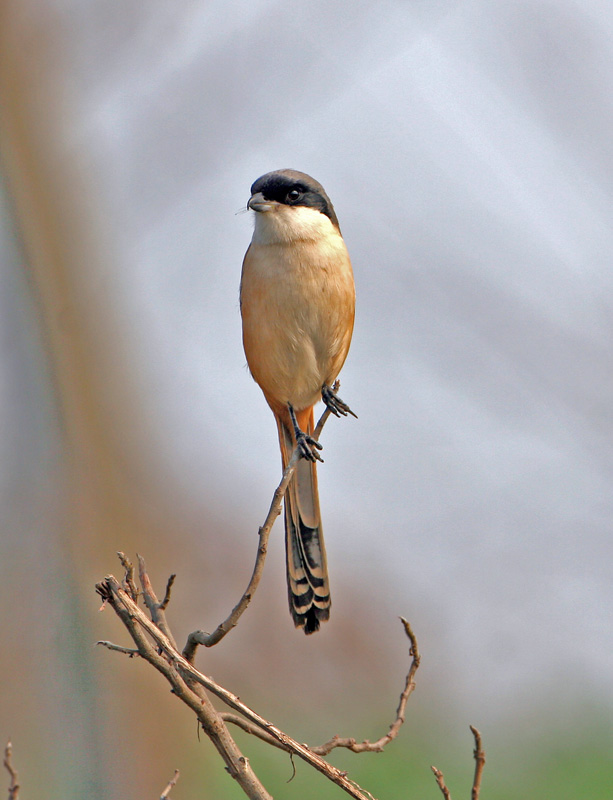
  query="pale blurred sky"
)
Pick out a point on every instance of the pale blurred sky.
point(467, 148)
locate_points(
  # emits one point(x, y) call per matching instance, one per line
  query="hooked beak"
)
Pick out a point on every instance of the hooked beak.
point(257, 202)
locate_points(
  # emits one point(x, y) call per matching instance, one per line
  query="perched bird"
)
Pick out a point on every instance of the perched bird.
point(297, 306)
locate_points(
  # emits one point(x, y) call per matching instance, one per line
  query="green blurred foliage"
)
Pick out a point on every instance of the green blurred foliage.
point(555, 765)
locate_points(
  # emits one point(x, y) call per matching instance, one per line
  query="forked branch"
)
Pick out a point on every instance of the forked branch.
point(155, 643)
point(479, 756)
point(156, 647)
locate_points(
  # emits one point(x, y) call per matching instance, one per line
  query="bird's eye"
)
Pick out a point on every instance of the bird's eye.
point(293, 195)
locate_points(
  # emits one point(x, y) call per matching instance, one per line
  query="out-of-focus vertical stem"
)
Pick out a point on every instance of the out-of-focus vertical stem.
point(60, 242)
point(57, 240)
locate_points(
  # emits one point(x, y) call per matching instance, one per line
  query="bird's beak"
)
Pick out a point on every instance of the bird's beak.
point(257, 202)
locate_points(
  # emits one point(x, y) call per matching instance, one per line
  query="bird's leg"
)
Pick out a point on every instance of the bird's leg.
point(307, 445)
point(334, 403)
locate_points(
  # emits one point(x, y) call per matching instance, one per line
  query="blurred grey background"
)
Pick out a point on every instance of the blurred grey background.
point(467, 148)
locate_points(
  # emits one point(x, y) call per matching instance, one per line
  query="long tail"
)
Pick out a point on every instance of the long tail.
point(307, 569)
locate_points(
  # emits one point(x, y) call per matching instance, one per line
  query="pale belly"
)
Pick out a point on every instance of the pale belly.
point(297, 311)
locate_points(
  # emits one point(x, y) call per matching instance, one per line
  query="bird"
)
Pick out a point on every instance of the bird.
point(297, 301)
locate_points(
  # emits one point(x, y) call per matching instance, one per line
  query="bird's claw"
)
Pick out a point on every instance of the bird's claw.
point(308, 447)
point(334, 403)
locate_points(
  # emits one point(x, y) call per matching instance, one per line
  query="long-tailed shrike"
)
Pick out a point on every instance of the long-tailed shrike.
point(297, 305)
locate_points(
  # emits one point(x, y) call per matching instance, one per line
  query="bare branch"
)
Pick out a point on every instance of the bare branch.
point(376, 747)
point(252, 729)
point(119, 649)
point(208, 640)
point(479, 755)
point(182, 676)
point(128, 579)
point(8, 764)
point(166, 600)
point(441, 783)
point(171, 783)
point(195, 639)
point(155, 643)
point(210, 720)
point(156, 609)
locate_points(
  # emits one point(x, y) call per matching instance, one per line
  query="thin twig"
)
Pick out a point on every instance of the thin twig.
point(171, 783)
point(252, 729)
point(166, 600)
point(208, 640)
point(129, 584)
point(441, 783)
point(156, 609)
point(119, 649)
point(376, 747)
point(479, 754)
point(8, 764)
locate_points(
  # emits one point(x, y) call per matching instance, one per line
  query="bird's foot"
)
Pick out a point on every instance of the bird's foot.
point(334, 403)
point(307, 445)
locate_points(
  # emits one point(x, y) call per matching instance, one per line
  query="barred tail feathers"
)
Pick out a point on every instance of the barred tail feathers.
point(307, 570)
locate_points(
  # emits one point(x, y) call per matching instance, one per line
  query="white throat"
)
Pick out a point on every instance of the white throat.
point(282, 224)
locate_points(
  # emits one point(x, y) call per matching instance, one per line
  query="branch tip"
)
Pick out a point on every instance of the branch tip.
point(128, 578)
point(479, 756)
point(414, 650)
point(173, 782)
point(169, 585)
point(8, 765)
point(118, 648)
point(440, 780)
